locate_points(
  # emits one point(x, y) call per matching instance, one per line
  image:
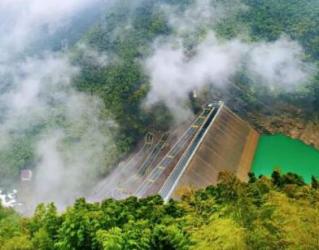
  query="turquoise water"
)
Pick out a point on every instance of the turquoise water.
point(287, 154)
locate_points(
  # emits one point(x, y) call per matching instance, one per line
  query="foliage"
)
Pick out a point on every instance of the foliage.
point(232, 215)
point(269, 19)
point(126, 32)
point(125, 35)
point(277, 213)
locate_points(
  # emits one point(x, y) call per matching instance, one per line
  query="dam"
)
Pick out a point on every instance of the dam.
point(216, 141)
point(224, 143)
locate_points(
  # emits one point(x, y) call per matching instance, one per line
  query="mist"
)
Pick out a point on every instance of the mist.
point(176, 68)
point(64, 135)
point(23, 23)
point(67, 136)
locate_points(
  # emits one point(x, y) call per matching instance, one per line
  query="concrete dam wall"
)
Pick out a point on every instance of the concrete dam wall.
point(224, 143)
point(217, 140)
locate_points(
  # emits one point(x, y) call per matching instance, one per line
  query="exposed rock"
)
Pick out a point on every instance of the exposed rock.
point(295, 127)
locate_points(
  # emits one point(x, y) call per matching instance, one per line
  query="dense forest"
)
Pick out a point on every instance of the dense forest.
point(280, 212)
point(126, 33)
point(277, 212)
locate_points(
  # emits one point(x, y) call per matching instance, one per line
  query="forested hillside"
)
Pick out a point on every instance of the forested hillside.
point(72, 134)
point(126, 34)
point(277, 213)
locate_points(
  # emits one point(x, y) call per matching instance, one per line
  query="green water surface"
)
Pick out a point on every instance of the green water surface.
point(288, 155)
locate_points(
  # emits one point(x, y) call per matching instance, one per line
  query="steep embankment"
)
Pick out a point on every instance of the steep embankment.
point(291, 122)
point(295, 127)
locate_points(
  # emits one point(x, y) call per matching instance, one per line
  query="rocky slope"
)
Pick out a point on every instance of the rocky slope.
point(293, 126)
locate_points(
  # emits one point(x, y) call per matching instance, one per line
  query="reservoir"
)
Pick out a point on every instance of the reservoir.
point(286, 154)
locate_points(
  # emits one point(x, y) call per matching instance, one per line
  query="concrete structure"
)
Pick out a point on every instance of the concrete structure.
point(26, 175)
point(217, 140)
point(221, 141)
point(228, 144)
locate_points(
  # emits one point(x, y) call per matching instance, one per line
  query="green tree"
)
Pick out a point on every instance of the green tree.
point(41, 240)
point(218, 234)
point(169, 238)
point(18, 243)
point(111, 240)
point(314, 182)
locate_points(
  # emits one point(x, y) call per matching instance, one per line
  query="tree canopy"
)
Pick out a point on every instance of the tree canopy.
point(277, 213)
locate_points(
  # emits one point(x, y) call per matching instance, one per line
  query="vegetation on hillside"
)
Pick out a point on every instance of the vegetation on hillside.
point(125, 35)
point(277, 213)
point(126, 32)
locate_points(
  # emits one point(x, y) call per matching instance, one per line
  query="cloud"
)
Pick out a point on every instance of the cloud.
point(280, 64)
point(91, 55)
point(174, 73)
point(23, 21)
point(199, 15)
point(71, 136)
point(194, 57)
point(46, 124)
point(67, 134)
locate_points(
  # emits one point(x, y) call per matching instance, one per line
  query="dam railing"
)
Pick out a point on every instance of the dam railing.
point(172, 180)
point(180, 145)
